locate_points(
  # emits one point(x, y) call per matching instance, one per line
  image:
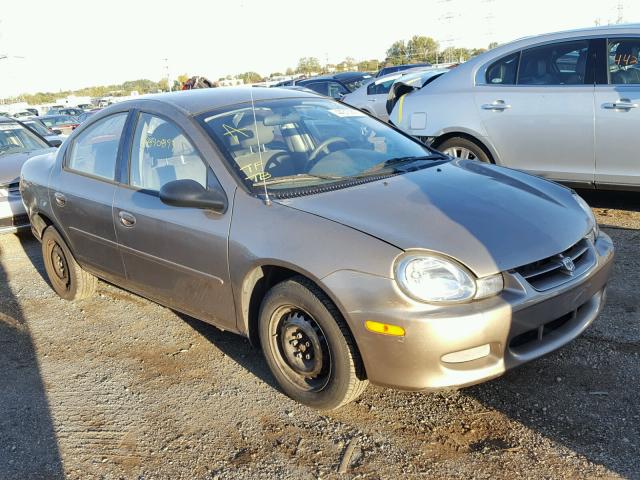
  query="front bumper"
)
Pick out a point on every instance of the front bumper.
point(13, 215)
point(517, 326)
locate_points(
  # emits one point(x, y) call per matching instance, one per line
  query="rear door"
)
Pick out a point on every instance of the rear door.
point(377, 93)
point(82, 195)
point(537, 108)
point(175, 255)
point(617, 105)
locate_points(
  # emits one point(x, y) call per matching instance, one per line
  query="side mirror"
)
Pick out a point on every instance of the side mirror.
point(189, 193)
point(55, 143)
point(55, 131)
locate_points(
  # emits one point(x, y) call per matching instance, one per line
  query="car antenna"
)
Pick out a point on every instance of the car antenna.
point(267, 200)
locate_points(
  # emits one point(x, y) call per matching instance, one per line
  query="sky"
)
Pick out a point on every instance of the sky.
point(53, 46)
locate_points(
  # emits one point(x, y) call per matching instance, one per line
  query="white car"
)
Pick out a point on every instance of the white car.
point(17, 145)
point(372, 97)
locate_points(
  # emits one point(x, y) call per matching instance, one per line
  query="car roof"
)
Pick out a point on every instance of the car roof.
point(199, 100)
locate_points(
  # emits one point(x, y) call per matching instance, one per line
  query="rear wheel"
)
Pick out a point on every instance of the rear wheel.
point(67, 278)
point(308, 346)
point(464, 148)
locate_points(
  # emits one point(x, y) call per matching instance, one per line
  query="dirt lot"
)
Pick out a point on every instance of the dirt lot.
point(118, 387)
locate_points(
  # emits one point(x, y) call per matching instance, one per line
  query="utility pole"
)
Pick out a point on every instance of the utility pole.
point(620, 9)
point(166, 68)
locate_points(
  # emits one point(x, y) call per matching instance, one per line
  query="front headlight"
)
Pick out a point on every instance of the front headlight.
point(435, 279)
point(593, 229)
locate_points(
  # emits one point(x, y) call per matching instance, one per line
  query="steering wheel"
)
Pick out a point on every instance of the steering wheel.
point(323, 147)
point(275, 162)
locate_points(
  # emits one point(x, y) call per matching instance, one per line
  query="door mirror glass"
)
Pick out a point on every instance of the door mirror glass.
point(55, 143)
point(189, 193)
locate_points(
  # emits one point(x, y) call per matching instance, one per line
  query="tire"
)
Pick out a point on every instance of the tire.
point(329, 379)
point(66, 277)
point(455, 146)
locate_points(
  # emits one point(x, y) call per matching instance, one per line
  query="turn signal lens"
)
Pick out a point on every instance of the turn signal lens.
point(384, 328)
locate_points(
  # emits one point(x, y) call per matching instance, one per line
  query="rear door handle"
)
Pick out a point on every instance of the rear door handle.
point(622, 104)
point(127, 219)
point(497, 106)
point(61, 200)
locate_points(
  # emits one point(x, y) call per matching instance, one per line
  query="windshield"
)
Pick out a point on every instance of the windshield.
point(37, 127)
point(302, 142)
point(14, 138)
point(58, 120)
point(357, 83)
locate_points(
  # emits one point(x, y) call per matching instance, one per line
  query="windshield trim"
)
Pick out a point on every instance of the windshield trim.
point(228, 161)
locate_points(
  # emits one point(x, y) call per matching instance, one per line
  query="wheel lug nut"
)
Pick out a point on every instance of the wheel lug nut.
point(294, 343)
point(307, 344)
point(299, 336)
point(307, 356)
point(298, 355)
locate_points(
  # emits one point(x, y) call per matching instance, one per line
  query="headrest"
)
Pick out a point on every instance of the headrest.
point(626, 54)
point(251, 133)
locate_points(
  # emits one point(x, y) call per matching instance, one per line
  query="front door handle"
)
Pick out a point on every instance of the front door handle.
point(127, 219)
point(61, 200)
point(622, 104)
point(497, 106)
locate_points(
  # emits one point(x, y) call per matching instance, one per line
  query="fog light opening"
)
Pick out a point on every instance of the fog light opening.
point(384, 328)
point(467, 355)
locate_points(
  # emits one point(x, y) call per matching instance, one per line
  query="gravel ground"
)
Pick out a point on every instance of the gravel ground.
point(119, 387)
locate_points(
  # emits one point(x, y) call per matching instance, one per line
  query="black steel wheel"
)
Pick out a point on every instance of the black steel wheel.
point(67, 278)
point(308, 346)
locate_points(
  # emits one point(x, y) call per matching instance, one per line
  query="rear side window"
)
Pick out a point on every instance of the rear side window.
point(161, 153)
point(94, 151)
point(503, 72)
point(623, 61)
point(556, 64)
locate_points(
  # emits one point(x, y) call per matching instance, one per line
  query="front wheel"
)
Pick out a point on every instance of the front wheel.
point(464, 148)
point(308, 346)
point(67, 278)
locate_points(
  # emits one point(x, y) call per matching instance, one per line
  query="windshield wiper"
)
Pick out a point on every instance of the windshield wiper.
point(395, 162)
point(299, 177)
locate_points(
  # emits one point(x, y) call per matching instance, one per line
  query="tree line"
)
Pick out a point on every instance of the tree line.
point(417, 49)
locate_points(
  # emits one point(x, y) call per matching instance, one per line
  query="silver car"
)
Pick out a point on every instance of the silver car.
point(349, 251)
point(372, 96)
point(562, 105)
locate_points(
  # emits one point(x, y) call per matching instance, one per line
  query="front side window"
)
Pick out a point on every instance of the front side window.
point(302, 142)
point(557, 64)
point(623, 61)
point(14, 138)
point(161, 153)
point(95, 150)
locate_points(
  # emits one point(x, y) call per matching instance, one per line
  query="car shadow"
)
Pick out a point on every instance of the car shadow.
point(28, 443)
point(614, 199)
point(236, 347)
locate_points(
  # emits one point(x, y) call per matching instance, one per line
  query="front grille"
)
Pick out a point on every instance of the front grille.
point(556, 270)
point(15, 221)
point(541, 333)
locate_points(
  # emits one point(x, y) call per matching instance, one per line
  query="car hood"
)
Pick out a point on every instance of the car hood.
point(489, 218)
point(11, 164)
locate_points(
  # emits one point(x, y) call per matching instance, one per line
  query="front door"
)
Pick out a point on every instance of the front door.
point(175, 255)
point(82, 196)
point(618, 115)
point(537, 109)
